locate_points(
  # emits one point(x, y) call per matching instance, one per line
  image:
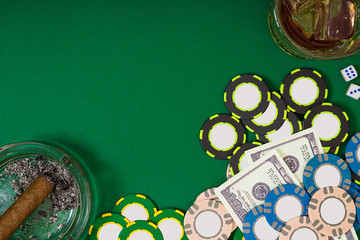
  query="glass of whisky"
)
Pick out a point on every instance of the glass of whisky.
point(316, 29)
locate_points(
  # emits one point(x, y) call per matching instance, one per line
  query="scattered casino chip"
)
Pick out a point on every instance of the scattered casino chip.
point(141, 230)
point(208, 194)
point(255, 225)
point(107, 227)
point(170, 222)
point(238, 161)
point(324, 218)
point(135, 207)
point(303, 89)
point(326, 170)
point(291, 125)
point(300, 228)
point(270, 120)
point(247, 96)
point(352, 154)
point(207, 213)
point(331, 124)
point(284, 203)
point(221, 134)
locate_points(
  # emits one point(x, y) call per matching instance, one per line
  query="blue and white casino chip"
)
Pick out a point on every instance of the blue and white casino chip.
point(284, 203)
point(352, 153)
point(326, 170)
point(255, 226)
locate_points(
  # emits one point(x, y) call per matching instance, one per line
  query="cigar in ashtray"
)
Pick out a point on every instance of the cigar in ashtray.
point(26, 204)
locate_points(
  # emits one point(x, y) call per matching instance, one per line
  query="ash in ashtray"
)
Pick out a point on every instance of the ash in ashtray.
point(50, 218)
point(65, 195)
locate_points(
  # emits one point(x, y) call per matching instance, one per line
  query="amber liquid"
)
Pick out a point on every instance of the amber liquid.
point(298, 35)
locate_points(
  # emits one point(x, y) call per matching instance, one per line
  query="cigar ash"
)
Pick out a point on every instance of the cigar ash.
point(56, 210)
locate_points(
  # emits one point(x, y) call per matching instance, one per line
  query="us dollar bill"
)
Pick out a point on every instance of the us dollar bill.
point(250, 187)
point(350, 235)
point(296, 150)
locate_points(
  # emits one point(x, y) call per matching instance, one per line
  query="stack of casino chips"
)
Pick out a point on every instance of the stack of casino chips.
point(300, 104)
point(136, 217)
point(326, 207)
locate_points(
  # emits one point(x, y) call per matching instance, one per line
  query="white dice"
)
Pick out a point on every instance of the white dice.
point(353, 91)
point(349, 73)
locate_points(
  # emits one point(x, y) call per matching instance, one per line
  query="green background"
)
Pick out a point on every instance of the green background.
point(127, 85)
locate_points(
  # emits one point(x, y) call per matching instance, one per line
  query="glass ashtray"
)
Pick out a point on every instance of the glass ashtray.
point(43, 223)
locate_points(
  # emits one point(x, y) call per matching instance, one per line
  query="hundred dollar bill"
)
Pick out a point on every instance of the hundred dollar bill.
point(350, 235)
point(296, 150)
point(250, 187)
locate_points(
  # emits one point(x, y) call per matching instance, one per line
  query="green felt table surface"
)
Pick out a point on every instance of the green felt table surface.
point(126, 85)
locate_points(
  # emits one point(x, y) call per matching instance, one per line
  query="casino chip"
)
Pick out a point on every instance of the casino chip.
point(141, 230)
point(247, 96)
point(284, 203)
point(270, 120)
point(238, 161)
point(326, 170)
point(107, 227)
point(290, 126)
point(255, 225)
point(221, 134)
point(208, 220)
point(300, 228)
point(135, 207)
point(324, 218)
point(303, 89)
point(353, 154)
point(331, 124)
point(210, 194)
point(170, 222)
